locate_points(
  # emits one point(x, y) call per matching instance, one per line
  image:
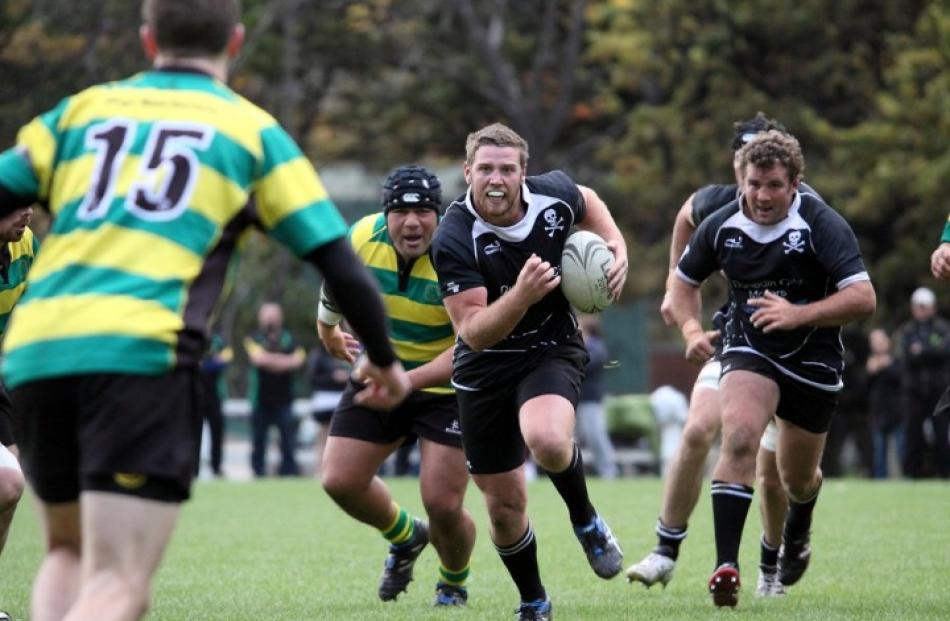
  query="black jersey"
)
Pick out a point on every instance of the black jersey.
point(804, 258)
point(469, 253)
point(709, 199)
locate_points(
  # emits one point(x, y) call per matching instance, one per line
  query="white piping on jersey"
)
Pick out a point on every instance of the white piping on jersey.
point(802, 344)
point(682, 276)
point(850, 280)
point(458, 386)
point(786, 372)
point(765, 234)
point(520, 230)
point(820, 364)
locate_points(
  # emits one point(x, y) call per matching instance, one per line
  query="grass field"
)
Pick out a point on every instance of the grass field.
point(279, 550)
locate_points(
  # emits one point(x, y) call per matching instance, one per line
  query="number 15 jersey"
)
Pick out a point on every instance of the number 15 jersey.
point(150, 182)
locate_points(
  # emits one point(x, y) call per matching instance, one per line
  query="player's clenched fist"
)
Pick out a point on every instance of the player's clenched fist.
point(536, 279)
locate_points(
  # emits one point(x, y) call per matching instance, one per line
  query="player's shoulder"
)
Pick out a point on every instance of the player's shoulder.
point(710, 198)
point(554, 183)
point(806, 190)
point(455, 226)
point(715, 195)
point(725, 214)
point(457, 216)
point(367, 227)
point(812, 208)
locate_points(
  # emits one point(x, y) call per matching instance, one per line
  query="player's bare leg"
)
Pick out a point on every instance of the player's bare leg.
point(799, 455)
point(773, 504)
point(11, 489)
point(123, 540)
point(748, 401)
point(681, 488)
point(443, 478)
point(349, 477)
point(57, 583)
point(547, 425)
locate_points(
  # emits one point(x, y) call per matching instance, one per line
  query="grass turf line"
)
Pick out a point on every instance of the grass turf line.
point(280, 550)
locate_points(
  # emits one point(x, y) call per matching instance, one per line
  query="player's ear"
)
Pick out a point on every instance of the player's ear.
point(236, 40)
point(467, 173)
point(149, 44)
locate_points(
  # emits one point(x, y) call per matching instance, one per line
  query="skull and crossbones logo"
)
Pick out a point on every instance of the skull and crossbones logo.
point(794, 242)
point(555, 223)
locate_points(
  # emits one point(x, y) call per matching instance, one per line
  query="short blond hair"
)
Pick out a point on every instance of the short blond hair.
point(497, 135)
point(774, 147)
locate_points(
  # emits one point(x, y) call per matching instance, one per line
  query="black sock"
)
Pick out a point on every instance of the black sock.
point(798, 520)
point(572, 486)
point(768, 556)
point(521, 559)
point(669, 539)
point(730, 503)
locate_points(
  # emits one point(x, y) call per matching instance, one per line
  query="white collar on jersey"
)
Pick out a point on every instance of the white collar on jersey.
point(519, 230)
point(765, 234)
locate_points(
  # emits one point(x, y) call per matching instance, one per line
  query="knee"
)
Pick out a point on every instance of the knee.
point(551, 448)
point(697, 438)
point(739, 444)
point(800, 486)
point(11, 488)
point(506, 513)
point(769, 483)
point(445, 509)
point(338, 484)
point(127, 591)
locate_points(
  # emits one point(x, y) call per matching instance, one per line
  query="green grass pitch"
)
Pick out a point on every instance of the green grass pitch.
point(281, 551)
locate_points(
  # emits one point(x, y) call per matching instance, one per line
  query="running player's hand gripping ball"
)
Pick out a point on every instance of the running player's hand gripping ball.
point(584, 265)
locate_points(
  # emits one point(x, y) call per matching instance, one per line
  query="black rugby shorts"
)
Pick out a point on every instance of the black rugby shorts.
point(803, 405)
point(491, 434)
point(426, 415)
point(136, 435)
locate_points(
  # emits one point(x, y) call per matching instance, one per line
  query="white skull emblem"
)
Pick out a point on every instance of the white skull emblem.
point(550, 216)
point(794, 237)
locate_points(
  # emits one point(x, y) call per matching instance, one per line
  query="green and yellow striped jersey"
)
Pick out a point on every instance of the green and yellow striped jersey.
point(13, 280)
point(150, 181)
point(420, 328)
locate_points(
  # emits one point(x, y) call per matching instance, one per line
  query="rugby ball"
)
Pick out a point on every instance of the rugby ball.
point(584, 265)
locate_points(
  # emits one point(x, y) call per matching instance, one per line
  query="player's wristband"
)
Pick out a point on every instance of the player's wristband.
point(327, 316)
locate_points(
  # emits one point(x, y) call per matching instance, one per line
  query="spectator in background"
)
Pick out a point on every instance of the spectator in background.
point(328, 377)
point(591, 423)
point(275, 358)
point(883, 400)
point(214, 363)
point(923, 349)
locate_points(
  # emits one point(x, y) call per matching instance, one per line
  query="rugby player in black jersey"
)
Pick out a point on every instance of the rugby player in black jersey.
point(519, 358)
point(684, 480)
point(795, 276)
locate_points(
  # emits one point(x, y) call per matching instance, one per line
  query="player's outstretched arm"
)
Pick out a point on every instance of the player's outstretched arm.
point(363, 308)
point(599, 220)
point(683, 228)
point(856, 301)
point(686, 309)
point(338, 343)
point(436, 372)
point(480, 324)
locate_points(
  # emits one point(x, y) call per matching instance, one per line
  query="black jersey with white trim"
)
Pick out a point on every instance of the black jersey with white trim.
point(709, 199)
point(468, 253)
point(804, 258)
